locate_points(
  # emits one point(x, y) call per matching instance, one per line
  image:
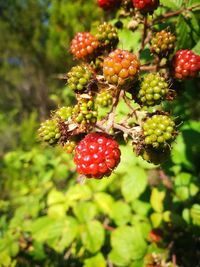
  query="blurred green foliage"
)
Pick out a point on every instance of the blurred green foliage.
point(47, 217)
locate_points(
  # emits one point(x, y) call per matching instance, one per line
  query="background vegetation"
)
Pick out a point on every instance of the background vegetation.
point(46, 217)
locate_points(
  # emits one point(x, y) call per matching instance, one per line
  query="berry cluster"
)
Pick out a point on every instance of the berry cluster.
point(64, 113)
point(107, 35)
point(97, 155)
point(83, 45)
point(186, 64)
point(146, 6)
point(104, 98)
point(153, 89)
point(109, 4)
point(108, 75)
point(79, 77)
point(85, 112)
point(121, 67)
point(159, 131)
point(163, 43)
point(49, 131)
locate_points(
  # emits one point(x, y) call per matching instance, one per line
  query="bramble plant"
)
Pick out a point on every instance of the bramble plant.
point(120, 76)
point(116, 183)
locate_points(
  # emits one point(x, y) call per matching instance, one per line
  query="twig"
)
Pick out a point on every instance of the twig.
point(165, 179)
point(111, 114)
point(174, 260)
point(144, 35)
point(173, 14)
point(108, 227)
point(109, 263)
point(148, 68)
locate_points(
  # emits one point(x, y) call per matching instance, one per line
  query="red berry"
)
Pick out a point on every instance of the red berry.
point(83, 45)
point(155, 235)
point(146, 6)
point(109, 4)
point(186, 64)
point(97, 155)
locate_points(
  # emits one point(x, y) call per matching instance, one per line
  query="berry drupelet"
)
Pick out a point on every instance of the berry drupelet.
point(97, 155)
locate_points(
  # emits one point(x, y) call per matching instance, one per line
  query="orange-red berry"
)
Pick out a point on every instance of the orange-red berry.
point(83, 45)
point(120, 67)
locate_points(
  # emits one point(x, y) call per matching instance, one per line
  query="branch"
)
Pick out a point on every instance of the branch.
point(144, 35)
point(173, 14)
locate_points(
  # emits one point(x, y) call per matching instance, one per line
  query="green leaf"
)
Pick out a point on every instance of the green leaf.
point(134, 183)
point(183, 33)
point(174, 4)
point(92, 235)
point(156, 199)
point(186, 215)
point(131, 40)
point(127, 244)
point(57, 211)
point(156, 219)
point(195, 214)
point(97, 260)
point(121, 213)
point(58, 233)
point(196, 48)
point(69, 232)
point(138, 263)
point(104, 202)
point(85, 211)
point(192, 3)
point(142, 224)
point(141, 207)
point(78, 192)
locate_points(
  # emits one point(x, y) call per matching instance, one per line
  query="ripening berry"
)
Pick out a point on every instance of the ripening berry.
point(69, 146)
point(64, 113)
point(83, 45)
point(120, 67)
point(49, 131)
point(79, 77)
point(104, 98)
point(163, 43)
point(185, 64)
point(146, 6)
point(108, 4)
point(85, 112)
point(97, 155)
point(153, 90)
point(107, 35)
point(159, 131)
